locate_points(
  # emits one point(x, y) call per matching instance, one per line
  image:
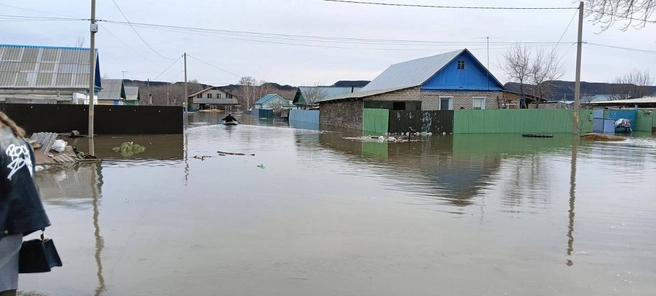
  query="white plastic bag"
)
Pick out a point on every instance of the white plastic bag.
point(59, 146)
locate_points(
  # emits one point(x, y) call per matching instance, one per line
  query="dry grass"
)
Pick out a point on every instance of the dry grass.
point(601, 137)
point(30, 293)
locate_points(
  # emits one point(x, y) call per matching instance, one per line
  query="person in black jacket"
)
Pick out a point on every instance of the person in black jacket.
point(229, 118)
point(21, 210)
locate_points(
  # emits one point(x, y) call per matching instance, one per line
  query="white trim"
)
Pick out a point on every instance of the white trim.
point(479, 98)
point(439, 102)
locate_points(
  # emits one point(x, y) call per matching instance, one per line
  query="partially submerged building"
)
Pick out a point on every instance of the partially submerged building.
point(46, 74)
point(308, 97)
point(212, 98)
point(449, 81)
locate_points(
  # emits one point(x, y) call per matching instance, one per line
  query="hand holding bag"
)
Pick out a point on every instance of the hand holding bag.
point(38, 255)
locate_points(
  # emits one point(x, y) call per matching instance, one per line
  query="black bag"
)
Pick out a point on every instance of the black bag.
point(38, 255)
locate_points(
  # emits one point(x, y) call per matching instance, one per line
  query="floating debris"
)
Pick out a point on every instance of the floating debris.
point(128, 149)
point(602, 137)
point(223, 153)
point(536, 136)
point(202, 158)
point(260, 166)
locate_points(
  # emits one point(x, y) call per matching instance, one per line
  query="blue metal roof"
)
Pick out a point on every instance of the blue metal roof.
point(417, 72)
point(267, 98)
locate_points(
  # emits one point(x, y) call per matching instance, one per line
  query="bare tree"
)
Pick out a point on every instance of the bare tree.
point(636, 13)
point(517, 66)
point(250, 90)
point(545, 68)
point(313, 95)
point(79, 42)
point(634, 84)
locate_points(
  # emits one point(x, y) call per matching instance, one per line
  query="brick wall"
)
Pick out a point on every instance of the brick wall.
point(430, 101)
point(342, 114)
point(409, 94)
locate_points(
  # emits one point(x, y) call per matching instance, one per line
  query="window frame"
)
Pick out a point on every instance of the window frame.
point(439, 103)
point(463, 63)
point(483, 105)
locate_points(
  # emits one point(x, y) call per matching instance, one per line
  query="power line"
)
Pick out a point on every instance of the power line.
point(224, 70)
point(135, 31)
point(128, 46)
point(312, 38)
point(623, 48)
point(451, 6)
point(566, 29)
point(34, 10)
point(40, 18)
point(167, 68)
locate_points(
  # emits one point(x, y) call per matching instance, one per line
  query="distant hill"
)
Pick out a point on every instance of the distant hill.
point(565, 89)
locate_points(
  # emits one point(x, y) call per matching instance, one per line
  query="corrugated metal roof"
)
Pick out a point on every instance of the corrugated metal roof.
point(132, 93)
point(411, 73)
point(45, 139)
point(44, 67)
point(645, 100)
point(324, 93)
point(113, 89)
point(267, 98)
point(364, 94)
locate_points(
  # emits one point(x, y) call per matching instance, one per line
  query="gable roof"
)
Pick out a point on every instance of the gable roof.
point(113, 89)
point(417, 72)
point(132, 93)
point(44, 67)
point(267, 98)
point(326, 93)
point(208, 89)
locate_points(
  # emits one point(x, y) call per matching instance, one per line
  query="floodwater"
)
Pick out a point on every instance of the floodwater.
point(314, 214)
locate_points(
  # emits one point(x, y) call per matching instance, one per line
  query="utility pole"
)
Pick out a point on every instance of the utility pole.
point(488, 62)
point(577, 84)
point(123, 72)
point(150, 101)
point(186, 98)
point(92, 68)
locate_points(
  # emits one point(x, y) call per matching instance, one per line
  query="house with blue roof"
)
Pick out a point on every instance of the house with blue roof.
point(273, 101)
point(45, 74)
point(450, 81)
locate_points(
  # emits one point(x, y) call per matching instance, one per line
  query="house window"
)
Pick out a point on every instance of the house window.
point(200, 96)
point(209, 96)
point(461, 65)
point(228, 96)
point(479, 103)
point(446, 103)
point(218, 96)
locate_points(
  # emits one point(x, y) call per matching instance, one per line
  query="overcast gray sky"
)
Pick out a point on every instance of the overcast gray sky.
point(297, 62)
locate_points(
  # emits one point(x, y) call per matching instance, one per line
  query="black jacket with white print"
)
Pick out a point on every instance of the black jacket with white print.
point(21, 210)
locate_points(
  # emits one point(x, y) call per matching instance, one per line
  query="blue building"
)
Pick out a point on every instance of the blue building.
point(450, 81)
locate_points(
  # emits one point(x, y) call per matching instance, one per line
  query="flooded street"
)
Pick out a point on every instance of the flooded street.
point(314, 214)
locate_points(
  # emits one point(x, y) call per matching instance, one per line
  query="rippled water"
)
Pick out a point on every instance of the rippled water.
point(314, 214)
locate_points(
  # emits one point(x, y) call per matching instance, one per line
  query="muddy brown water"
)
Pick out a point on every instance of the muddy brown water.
point(314, 214)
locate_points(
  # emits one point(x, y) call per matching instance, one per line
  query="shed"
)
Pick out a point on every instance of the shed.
point(132, 95)
point(271, 101)
point(112, 93)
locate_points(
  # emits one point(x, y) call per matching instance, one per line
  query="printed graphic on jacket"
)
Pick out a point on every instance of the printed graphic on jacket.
point(20, 157)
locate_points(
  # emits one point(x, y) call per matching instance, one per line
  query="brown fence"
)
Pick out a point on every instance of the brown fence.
point(108, 119)
point(421, 121)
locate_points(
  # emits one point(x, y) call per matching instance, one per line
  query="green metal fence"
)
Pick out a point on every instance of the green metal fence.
point(646, 121)
point(519, 121)
point(375, 121)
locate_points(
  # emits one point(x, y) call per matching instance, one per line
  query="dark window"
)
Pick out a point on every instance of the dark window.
point(209, 96)
point(399, 106)
point(200, 96)
point(461, 65)
point(218, 96)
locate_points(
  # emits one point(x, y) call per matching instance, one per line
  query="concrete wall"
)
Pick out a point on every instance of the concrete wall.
point(343, 114)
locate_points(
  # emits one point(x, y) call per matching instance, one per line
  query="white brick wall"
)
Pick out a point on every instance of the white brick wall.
point(463, 99)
